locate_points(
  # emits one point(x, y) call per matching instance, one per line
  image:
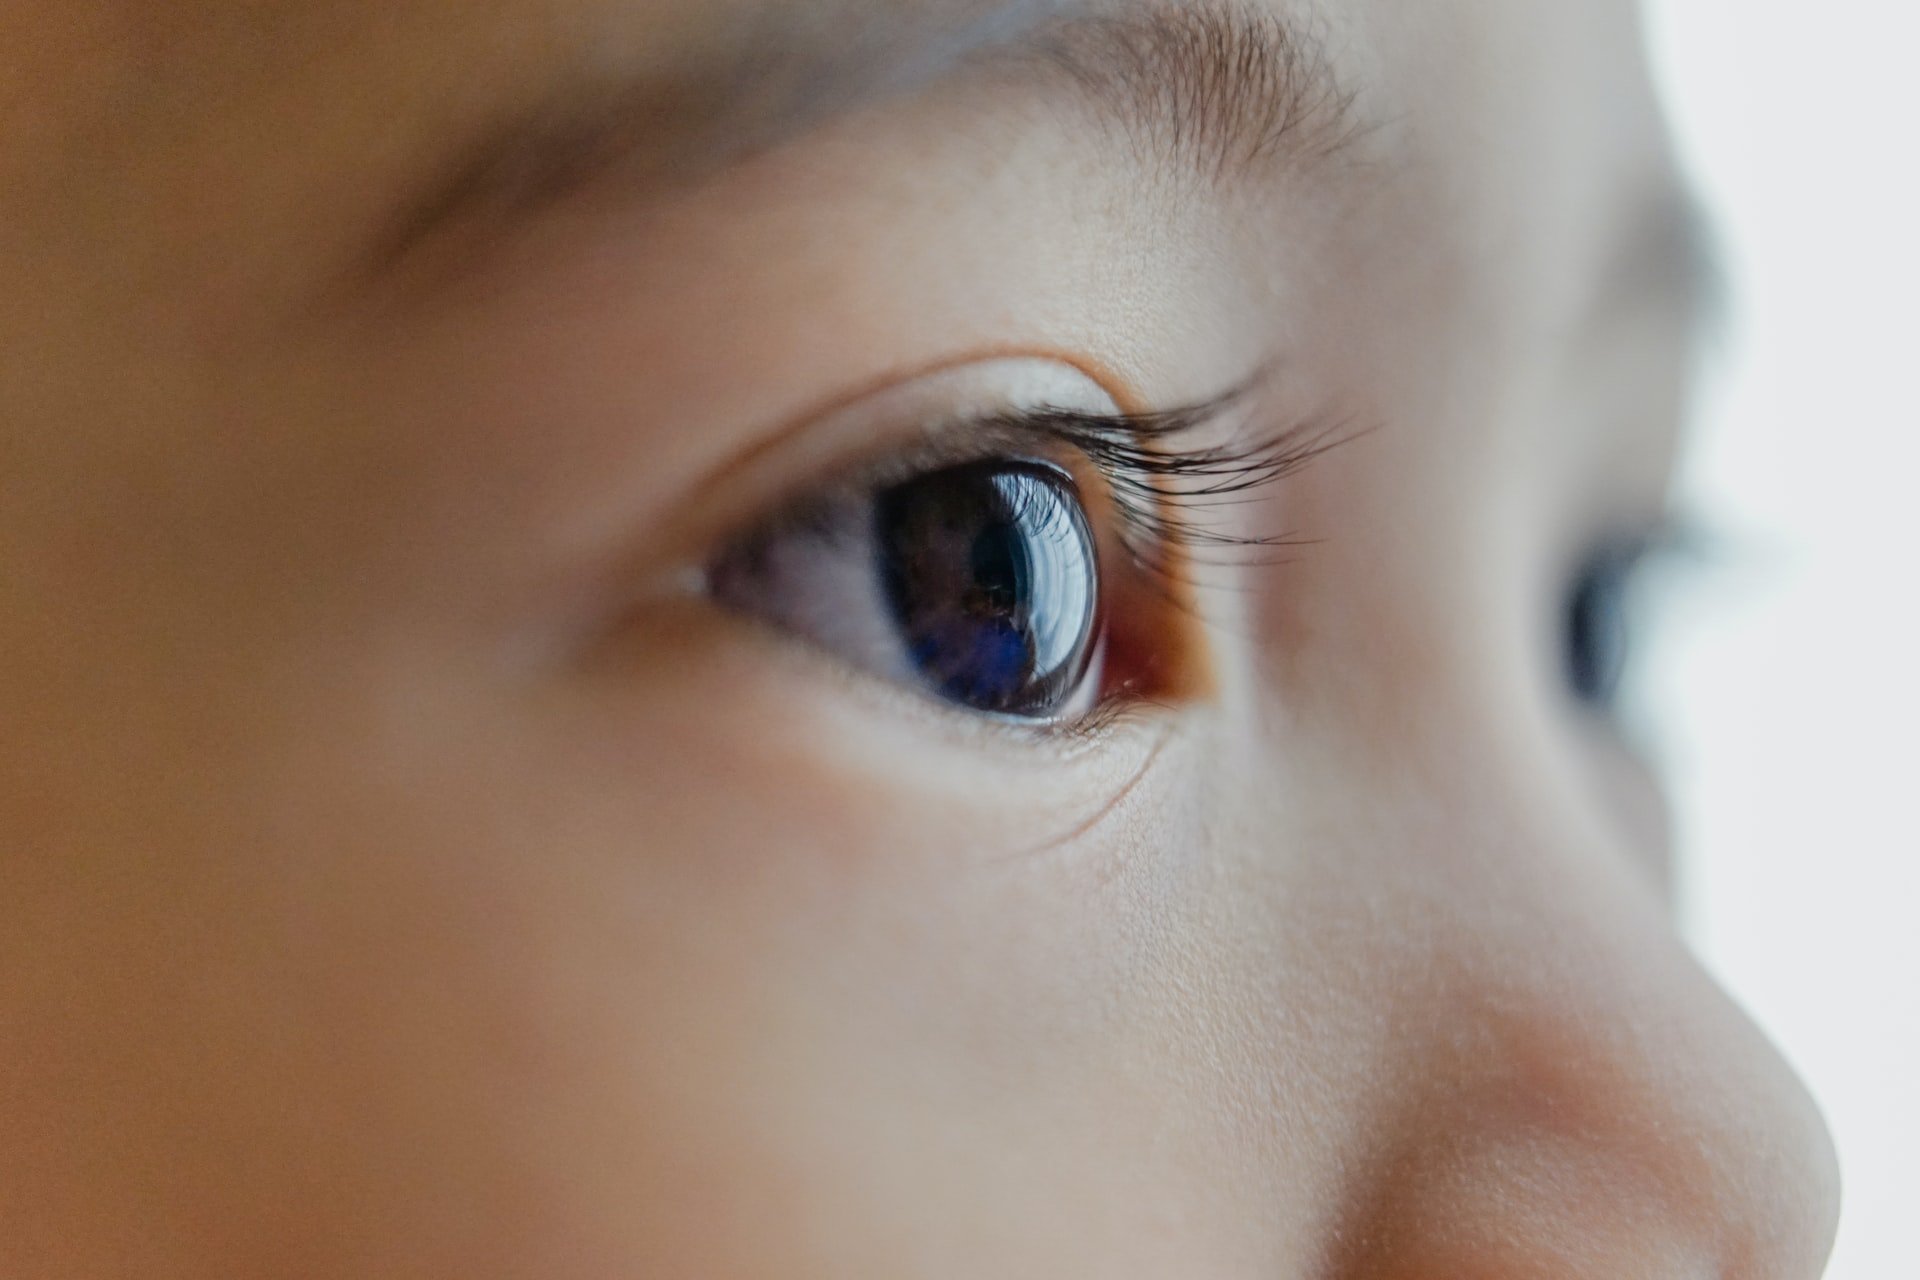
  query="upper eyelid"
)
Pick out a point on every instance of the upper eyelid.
point(938, 446)
point(1160, 475)
point(958, 408)
point(1144, 439)
point(1043, 434)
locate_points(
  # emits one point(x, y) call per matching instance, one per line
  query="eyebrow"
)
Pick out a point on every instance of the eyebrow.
point(1207, 88)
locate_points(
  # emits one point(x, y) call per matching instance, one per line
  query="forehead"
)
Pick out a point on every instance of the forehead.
point(194, 48)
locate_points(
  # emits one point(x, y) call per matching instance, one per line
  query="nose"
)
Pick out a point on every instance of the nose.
point(1585, 1102)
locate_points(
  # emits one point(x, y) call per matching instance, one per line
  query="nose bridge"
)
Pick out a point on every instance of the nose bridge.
point(1590, 1103)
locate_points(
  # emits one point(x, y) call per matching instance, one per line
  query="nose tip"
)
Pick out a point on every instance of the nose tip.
point(1792, 1195)
point(1601, 1117)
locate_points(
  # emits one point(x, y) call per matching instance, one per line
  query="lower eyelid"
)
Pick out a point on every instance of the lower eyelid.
point(751, 703)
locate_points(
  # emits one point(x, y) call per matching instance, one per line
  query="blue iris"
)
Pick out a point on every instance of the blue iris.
point(991, 574)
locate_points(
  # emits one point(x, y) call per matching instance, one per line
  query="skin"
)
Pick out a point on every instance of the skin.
point(403, 874)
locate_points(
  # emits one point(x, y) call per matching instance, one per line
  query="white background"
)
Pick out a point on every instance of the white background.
point(1792, 684)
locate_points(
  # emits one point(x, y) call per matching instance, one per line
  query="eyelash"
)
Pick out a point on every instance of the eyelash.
point(1164, 495)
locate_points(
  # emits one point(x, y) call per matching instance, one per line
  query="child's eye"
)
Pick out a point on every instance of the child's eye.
point(977, 582)
point(983, 573)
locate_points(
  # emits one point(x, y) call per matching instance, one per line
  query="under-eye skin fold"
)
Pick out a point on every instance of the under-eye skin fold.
point(1017, 566)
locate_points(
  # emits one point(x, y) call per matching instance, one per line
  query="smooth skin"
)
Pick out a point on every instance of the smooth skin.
point(405, 873)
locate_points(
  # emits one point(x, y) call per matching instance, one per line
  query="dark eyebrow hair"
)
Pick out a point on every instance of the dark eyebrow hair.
point(1209, 88)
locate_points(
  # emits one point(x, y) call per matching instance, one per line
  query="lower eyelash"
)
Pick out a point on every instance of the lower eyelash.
point(1166, 494)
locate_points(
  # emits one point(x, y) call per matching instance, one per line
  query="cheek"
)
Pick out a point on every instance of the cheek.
point(689, 994)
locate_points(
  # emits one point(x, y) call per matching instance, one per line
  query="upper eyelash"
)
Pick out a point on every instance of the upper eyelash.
point(1162, 491)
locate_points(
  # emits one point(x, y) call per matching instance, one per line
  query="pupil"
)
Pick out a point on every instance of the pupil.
point(1597, 629)
point(990, 571)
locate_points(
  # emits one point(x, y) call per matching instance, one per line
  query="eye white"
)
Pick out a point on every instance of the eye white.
point(817, 577)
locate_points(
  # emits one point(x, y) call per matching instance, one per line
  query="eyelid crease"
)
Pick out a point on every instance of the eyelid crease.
point(1116, 387)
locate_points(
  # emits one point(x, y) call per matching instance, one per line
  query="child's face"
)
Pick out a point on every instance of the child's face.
point(566, 714)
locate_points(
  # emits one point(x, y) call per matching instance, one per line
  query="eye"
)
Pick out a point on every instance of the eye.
point(1598, 625)
point(978, 583)
point(1039, 564)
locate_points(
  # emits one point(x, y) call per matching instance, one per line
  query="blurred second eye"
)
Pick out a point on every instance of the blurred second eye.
point(1598, 625)
point(979, 583)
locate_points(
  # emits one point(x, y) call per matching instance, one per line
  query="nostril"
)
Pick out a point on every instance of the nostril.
point(1495, 1199)
point(1519, 1206)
